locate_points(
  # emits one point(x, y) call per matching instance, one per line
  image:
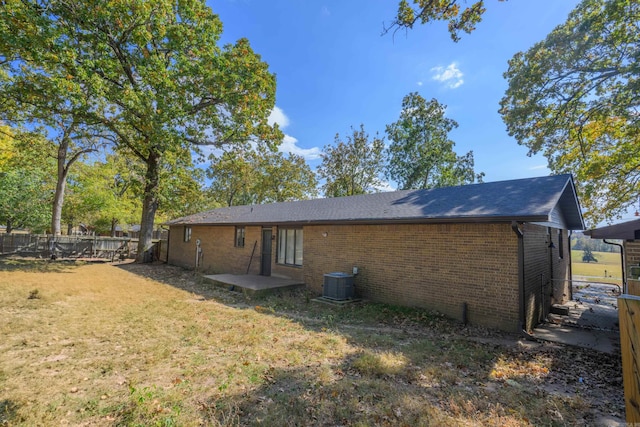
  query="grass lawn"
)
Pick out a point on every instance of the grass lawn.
point(139, 345)
point(607, 261)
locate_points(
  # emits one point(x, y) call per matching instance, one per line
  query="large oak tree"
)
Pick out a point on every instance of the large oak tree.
point(575, 97)
point(255, 176)
point(459, 15)
point(420, 152)
point(352, 166)
point(151, 73)
point(25, 180)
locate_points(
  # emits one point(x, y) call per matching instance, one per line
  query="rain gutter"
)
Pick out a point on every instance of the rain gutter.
point(624, 269)
point(521, 294)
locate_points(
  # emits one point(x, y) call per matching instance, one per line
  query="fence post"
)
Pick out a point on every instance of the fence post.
point(629, 314)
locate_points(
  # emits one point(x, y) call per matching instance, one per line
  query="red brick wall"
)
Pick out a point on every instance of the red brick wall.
point(219, 255)
point(434, 266)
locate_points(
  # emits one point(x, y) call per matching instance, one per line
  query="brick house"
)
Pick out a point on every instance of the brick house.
point(629, 233)
point(500, 249)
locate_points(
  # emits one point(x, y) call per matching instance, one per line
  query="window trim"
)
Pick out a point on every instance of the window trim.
point(186, 237)
point(236, 241)
point(281, 258)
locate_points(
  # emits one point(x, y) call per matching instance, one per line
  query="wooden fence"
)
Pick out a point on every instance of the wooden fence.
point(44, 246)
point(629, 312)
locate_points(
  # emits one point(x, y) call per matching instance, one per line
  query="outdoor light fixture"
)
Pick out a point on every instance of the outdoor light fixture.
point(325, 234)
point(551, 246)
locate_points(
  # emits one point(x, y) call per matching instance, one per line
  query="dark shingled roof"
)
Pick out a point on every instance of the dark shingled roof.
point(629, 230)
point(549, 199)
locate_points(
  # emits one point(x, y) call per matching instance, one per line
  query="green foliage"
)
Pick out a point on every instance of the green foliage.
point(148, 406)
point(26, 186)
point(574, 98)
point(232, 174)
point(587, 255)
point(105, 194)
point(36, 94)
point(459, 18)
point(181, 188)
point(579, 241)
point(24, 200)
point(151, 75)
point(253, 176)
point(284, 178)
point(352, 166)
point(420, 153)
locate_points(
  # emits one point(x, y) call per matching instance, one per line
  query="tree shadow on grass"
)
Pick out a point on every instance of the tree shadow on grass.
point(8, 411)
point(411, 367)
point(28, 265)
point(186, 280)
point(450, 384)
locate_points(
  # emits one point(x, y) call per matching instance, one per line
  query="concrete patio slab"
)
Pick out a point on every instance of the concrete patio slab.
point(253, 285)
point(602, 341)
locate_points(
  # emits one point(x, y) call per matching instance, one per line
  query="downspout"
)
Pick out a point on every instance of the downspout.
point(551, 278)
point(569, 234)
point(624, 268)
point(516, 229)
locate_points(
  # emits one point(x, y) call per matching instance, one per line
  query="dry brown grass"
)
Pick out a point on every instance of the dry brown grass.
point(104, 345)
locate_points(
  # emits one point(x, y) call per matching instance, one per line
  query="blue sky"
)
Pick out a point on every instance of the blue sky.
point(335, 70)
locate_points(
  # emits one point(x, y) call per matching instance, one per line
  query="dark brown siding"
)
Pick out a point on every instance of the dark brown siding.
point(546, 273)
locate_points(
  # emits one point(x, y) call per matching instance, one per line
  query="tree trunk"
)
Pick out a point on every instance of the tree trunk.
point(69, 228)
point(149, 207)
point(113, 227)
point(9, 228)
point(58, 198)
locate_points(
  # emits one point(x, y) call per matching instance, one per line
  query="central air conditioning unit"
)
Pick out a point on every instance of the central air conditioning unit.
point(338, 286)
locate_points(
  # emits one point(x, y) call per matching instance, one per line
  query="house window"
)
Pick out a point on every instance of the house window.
point(239, 241)
point(560, 245)
point(187, 234)
point(290, 246)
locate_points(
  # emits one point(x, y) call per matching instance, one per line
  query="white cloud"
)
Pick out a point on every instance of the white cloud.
point(533, 168)
point(278, 116)
point(289, 145)
point(450, 75)
point(419, 83)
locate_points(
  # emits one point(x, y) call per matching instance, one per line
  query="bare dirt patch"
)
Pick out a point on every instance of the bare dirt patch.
point(137, 344)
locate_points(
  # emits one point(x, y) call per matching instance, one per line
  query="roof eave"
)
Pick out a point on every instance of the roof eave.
point(372, 221)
